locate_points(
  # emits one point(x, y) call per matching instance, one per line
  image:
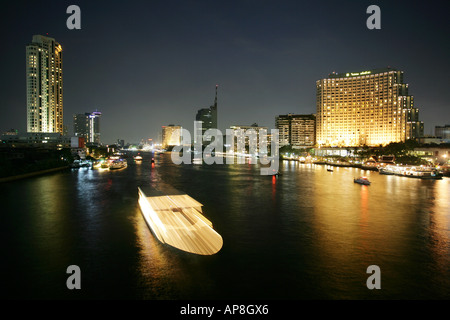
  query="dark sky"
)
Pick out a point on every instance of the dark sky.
point(145, 64)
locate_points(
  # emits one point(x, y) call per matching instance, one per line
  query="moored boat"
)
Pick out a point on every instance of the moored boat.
point(411, 172)
point(389, 170)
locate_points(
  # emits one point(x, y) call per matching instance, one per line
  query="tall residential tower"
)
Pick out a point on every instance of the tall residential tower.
point(365, 108)
point(44, 85)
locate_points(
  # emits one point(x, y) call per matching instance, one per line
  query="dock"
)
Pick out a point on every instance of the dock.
point(176, 219)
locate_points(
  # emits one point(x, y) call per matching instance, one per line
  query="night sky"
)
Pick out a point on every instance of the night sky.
point(145, 64)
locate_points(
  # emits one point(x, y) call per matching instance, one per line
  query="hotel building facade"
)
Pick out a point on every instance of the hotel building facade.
point(44, 85)
point(365, 108)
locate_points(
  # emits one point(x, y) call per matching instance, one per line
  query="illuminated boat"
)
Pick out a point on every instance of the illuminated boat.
point(362, 180)
point(104, 165)
point(422, 173)
point(412, 172)
point(138, 158)
point(117, 164)
point(176, 219)
point(388, 170)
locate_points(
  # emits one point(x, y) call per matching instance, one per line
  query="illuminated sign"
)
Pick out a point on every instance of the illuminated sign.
point(354, 74)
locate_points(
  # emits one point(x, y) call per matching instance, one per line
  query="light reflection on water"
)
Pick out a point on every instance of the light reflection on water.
point(307, 233)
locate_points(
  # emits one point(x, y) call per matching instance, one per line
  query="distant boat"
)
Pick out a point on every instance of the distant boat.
point(329, 169)
point(388, 170)
point(412, 172)
point(80, 164)
point(268, 172)
point(118, 164)
point(362, 180)
point(104, 165)
point(75, 164)
point(138, 158)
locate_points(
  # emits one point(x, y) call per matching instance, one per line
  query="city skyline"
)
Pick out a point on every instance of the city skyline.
point(265, 56)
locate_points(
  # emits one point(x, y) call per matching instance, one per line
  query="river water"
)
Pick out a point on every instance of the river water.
point(307, 234)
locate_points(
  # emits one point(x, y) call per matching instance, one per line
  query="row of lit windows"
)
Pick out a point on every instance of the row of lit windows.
point(336, 86)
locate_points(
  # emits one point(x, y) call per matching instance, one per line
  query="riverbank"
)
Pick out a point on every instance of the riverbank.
point(337, 164)
point(32, 174)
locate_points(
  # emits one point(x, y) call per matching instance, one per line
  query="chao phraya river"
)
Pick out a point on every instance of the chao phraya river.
point(307, 234)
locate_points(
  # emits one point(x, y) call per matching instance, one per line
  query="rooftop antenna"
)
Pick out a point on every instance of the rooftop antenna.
point(215, 99)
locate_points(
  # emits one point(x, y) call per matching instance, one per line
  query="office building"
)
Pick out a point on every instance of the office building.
point(87, 125)
point(296, 130)
point(206, 118)
point(365, 108)
point(442, 132)
point(245, 137)
point(44, 85)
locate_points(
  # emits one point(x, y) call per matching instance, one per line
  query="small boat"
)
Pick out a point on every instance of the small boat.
point(270, 172)
point(138, 158)
point(104, 165)
point(329, 169)
point(362, 180)
point(76, 164)
point(117, 164)
point(276, 173)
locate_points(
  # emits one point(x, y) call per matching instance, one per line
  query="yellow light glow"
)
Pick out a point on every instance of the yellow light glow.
point(177, 221)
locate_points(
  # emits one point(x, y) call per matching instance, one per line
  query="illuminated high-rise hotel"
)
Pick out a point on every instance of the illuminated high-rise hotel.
point(44, 85)
point(365, 108)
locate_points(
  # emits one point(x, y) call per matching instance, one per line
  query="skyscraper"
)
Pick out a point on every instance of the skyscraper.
point(44, 85)
point(365, 108)
point(207, 117)
point(87, 125)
